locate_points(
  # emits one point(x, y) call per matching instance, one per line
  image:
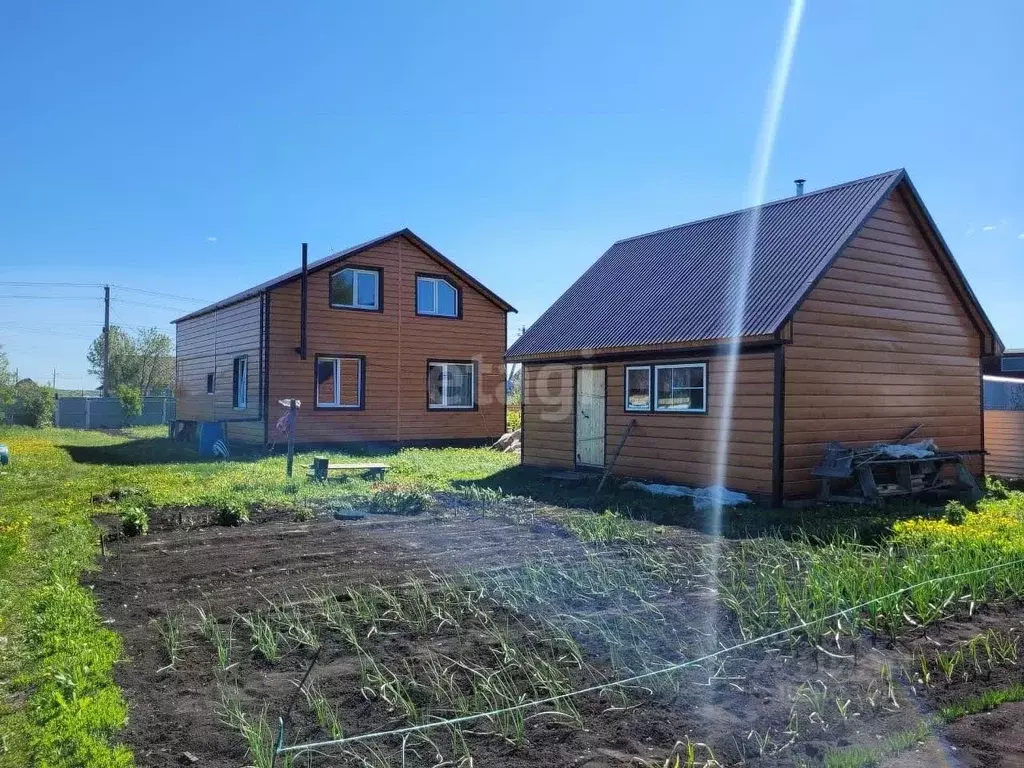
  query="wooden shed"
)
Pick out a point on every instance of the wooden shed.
point(857, 324)
point(386, 342)
point(1004, 415)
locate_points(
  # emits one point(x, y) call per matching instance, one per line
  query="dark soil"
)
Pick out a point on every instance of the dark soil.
point(759, 707)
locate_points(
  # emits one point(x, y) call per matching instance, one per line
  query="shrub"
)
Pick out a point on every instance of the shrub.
point(956, 513)
point(303, 514)
point(231, 514)
point(33, 405)
point(131, 402)
point(513, 419)
point(135, 521)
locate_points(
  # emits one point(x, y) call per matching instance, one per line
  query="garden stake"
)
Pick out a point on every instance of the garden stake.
point(103, 550)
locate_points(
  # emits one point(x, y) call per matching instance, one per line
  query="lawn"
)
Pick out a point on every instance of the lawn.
point(507, 627)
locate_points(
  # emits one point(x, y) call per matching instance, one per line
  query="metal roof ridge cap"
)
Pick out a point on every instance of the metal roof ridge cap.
point(768, 204)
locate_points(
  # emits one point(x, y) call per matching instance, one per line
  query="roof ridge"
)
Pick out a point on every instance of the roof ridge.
point(768, 204)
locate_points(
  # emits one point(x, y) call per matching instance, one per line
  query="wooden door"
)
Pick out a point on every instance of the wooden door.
point(590, 397)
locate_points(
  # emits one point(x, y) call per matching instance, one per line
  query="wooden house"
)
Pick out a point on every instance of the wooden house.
point(856, 325)
point(386, 342)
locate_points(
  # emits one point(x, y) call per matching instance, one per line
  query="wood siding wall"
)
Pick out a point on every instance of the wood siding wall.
point(675, 447)
point(1004, 441)
point(396, 344)
point(209, 344)
point(880, 344)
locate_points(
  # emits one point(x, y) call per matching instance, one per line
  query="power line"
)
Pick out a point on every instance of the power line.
point(147, 304)
point(38, 296)
point(160, 293)
point(28, 284)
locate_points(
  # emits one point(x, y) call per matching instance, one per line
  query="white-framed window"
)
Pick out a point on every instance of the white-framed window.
point(436, 296)
point(240, 383)
point(339, 382)
point(681, 388)
point(451, 385)
point(638, 388)
point(356, 288)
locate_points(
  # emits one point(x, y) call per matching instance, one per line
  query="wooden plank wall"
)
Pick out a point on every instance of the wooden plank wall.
point(1004, 441)
point(548, 415)
point(681, 447)
point(209, 344)
point(675, 447)
point(396, 344)
point(880, 344)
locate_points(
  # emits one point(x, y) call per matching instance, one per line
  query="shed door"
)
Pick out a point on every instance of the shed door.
point(590, 417)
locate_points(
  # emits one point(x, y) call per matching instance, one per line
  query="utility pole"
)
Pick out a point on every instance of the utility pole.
point(54, 379)
point(106, 340)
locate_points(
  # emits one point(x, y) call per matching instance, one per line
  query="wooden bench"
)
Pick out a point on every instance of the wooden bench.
point(321, 467)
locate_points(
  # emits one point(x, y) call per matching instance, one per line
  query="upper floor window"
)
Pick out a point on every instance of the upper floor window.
point(211, 382)
point(356, 288)
point(436, 296)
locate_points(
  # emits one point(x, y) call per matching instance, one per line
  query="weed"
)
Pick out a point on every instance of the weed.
point(230, 514)
point(134, 521)
point(392, 499)
point(983, 703)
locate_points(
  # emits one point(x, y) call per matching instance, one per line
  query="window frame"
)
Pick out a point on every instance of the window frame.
point(652, 406)
point(625, 384)
point(437, 278)
point(360, 386)
point(211, 383)
point(378, 272)
point(240, 395)
point(473, 388)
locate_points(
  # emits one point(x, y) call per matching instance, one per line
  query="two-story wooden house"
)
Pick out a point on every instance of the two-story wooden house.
point(386, 342)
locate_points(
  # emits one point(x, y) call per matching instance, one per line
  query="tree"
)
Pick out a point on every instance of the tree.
point(7, 381)
point(33, 405)
point(145, 361)
point(131, 402)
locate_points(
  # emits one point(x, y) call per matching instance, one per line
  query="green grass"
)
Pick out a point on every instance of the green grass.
point(983, 703)
point(60, 707)
point(891, 746)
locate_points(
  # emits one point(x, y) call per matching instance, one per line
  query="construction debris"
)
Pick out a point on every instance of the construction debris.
point(703, 498)
point(509, 442)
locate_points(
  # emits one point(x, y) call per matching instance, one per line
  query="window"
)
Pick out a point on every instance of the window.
point(451, 385)
point(677, 388)
point(638, 388)
point(681, 388)
point(355, 288)
point(436, 296)
point(211, 380)
point(339, 382)
point(240, 383)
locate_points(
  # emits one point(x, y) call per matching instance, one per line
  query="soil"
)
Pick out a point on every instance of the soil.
point(755, 707)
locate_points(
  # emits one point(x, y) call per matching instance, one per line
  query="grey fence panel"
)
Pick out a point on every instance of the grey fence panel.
point(107, 413)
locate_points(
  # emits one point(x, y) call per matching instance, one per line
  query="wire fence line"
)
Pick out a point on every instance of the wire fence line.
point(281, 748)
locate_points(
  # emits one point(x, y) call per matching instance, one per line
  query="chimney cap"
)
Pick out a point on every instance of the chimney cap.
point(799, 185)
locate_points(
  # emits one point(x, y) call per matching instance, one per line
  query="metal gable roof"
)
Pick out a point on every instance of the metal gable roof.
point(313, 266)
point(677, 284)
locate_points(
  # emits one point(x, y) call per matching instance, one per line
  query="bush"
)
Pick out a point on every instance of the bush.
point(135, 522)
point(231, 514)
point(33, 405)
point(513, 419)
point(131, 402)
point(956, 513)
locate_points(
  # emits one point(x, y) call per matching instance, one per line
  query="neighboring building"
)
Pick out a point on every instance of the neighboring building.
point(393, 344)
point(1010, 364)
point(858, 324)
point(1004, 422)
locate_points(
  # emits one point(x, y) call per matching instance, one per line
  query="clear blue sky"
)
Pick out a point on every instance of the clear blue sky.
point(190, 147)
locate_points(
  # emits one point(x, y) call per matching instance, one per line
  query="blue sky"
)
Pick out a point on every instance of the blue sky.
point(190, 148)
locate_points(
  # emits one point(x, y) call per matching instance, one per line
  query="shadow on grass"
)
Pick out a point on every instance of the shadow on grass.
point(154, 450)
point(868, 524)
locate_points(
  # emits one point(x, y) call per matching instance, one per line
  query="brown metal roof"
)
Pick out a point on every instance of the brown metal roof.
point(334, 258)
point(678, 284)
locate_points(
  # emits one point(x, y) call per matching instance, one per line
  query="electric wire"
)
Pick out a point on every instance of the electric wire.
point(625, 681)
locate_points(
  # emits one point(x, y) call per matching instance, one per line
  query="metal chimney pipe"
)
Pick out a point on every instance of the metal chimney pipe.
point(799, 186)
